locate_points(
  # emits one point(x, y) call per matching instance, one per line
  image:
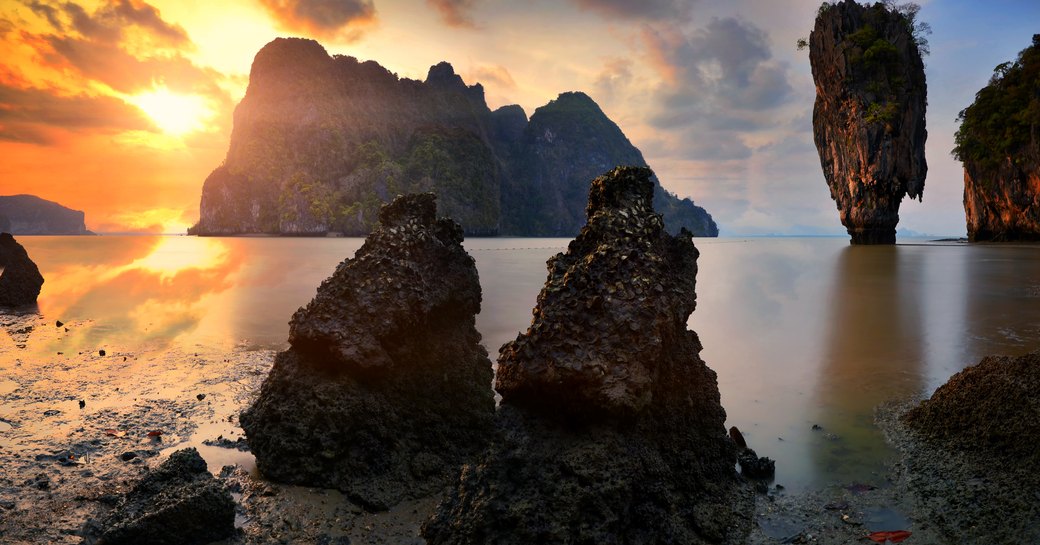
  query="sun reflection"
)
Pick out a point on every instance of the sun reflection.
point(174, 255)
point(174, 113)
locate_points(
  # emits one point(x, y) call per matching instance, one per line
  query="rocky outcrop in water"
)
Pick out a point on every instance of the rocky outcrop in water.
point(20, 279)
point(385, 390)
point(320, 142)
point(177, 503)
point(869, 115)
point(989, 407)
point(999, 143)
point(610, 428)
point(31, 215)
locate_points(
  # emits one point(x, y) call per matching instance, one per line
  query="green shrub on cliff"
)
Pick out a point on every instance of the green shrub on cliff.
point(1005, 116)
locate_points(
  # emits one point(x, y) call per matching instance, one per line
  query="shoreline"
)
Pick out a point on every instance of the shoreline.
point(65, 465)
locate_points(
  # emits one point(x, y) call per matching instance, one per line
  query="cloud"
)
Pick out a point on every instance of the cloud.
point(615, 75)
point(111, 64)
point(719, 84)
point(332, 19)
point(99, 58)
point(492, 73)
point(111, 22)
point(31, 115)
point(656, 10)
point(455, 12)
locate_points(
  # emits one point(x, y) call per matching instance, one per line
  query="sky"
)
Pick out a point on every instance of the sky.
point(121, 108)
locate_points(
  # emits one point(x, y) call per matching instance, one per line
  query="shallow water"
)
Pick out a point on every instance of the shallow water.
point(801, 331)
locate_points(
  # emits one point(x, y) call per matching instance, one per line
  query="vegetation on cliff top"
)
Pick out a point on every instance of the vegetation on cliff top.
point(875, 60)
point(1005, 117)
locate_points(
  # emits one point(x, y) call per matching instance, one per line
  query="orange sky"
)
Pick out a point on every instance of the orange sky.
point(121, 108)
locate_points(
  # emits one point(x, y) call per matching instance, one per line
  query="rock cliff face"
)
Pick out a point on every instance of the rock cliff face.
point(320, 142)
point(31, 215)
point(176, 503)
point(999, 144)
point(20, 278)
point(869, 116)
point(610, 428)
point(386, 388)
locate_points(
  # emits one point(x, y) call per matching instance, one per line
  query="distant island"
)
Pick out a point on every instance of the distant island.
point(31, 215)
point(321, 142)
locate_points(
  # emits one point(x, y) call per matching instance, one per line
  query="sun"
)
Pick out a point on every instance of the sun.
point(175, 114)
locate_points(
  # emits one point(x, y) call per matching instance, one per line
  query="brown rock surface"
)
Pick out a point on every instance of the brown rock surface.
point(610, 428)
point(386, 388)
point(869, 115)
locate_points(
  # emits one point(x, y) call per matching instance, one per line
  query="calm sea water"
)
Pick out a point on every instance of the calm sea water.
point(801, 331)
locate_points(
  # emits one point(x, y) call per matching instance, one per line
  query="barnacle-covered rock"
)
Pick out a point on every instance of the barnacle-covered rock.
point(610, 428)
point(177, 503)
point(385, 389)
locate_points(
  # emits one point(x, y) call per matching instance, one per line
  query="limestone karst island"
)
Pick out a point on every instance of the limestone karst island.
point(480, 272)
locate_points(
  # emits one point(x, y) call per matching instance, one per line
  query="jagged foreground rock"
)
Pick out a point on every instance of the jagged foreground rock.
point(998, 143)
point(869, 115)
point(610, 428)
point(385, 390)
point(20, 280)
point(177, 503)
point(990, 407)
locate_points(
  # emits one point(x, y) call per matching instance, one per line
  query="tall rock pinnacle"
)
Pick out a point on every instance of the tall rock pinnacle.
point(869, 116)
point(610, 428)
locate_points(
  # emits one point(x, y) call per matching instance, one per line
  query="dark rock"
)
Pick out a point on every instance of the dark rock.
point(610, 428)
point(386, 388)
point(737, 437)
point(566, 144)
point(1001, 153)
point(990, 408)
point(869, 116)
point(128, 455)
point(176, 503)
point(82, 404)
point(200, 397)
point(101, 352)
point(31, 215)
point(58, 323)
point(754, 467)
point(20, 279)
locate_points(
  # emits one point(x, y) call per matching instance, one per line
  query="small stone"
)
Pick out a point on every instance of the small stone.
point(58, 323)
point(128, 455)
point(82, 404)
point(200, 397)
point(101, 352)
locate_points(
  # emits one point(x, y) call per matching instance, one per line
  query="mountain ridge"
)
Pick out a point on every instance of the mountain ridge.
point(320, 142)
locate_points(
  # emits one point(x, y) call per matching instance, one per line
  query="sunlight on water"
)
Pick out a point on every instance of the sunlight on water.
point(801, 332)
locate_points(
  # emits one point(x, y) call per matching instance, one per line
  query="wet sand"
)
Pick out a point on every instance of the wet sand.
point(63, 464)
